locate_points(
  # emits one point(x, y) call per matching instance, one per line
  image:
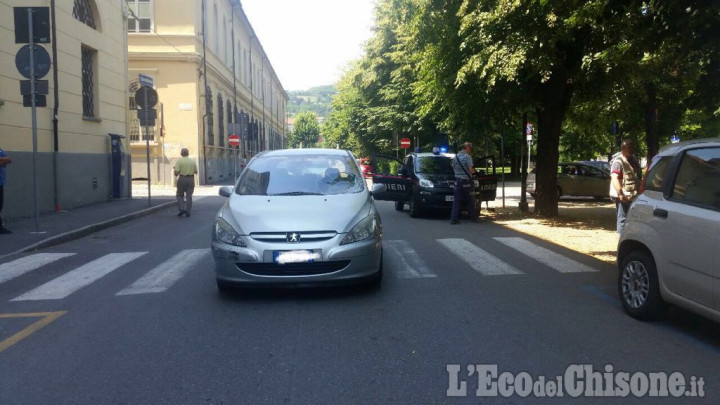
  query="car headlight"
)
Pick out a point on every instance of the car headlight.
point(227, 234)
point(426, 183)
point(364, 229)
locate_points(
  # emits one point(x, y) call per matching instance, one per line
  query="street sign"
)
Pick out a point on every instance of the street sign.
point(233, 140)
point(41, 87)
point(41, 25)
point(42, 61)
point(145, 80)
point(142, 101)
point(405, 143)
point(149, 114)
point(40, 100)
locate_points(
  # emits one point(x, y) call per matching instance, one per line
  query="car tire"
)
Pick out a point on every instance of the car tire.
point(638, 286)
point(399, 205)
point(559, 193)
point(413, 208)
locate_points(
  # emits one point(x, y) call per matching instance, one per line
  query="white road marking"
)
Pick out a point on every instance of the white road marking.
point(546, 256)
point(166, 274)
point(478, 259)
point(81, 277)
point(409, 263)
point(17, 268)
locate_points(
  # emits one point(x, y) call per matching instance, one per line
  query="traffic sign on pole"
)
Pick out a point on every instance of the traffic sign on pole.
point(233, 140)
point(145, 80)
point(405, 143)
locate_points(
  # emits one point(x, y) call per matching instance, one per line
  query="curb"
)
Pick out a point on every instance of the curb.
point(89, 229)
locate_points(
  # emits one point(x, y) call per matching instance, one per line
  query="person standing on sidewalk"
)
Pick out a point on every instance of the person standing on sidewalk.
point(185, 169)
point(4, 161)
point(625, 176)
point(464, 170)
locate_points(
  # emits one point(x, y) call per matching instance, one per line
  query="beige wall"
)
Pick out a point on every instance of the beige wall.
point(82, 143)
point(175, 60)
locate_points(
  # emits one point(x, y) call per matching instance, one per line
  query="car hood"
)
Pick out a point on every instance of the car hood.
point(436, 177)
point(339, 213)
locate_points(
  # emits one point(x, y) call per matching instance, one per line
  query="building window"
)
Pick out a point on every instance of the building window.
point(208, 109)
point(89, 81)
point(140, 19)
point(221, 121)
point(229, 114)
point(137, 133)
point(83, 11)
point(215, 31)
point(225, 42)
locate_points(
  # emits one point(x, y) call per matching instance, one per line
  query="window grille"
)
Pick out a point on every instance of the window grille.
point(88, 82)
point(221, 120)
point(209, 109)
point(140, 18)
point(83, 12)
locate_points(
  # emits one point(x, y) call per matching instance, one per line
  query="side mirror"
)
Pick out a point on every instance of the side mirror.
point(225, 191)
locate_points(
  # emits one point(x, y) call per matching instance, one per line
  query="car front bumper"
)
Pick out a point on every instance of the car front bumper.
point(338, 264)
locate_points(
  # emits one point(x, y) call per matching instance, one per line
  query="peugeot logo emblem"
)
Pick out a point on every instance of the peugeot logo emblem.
point(293, 237)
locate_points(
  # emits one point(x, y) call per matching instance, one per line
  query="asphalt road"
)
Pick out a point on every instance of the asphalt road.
point(452, 297)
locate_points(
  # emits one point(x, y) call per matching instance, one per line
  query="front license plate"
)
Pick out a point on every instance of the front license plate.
point(449, 197)
point(295, 256)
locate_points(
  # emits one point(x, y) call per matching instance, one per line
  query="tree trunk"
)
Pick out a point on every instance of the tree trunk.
point(555, 97)
point(651, 127)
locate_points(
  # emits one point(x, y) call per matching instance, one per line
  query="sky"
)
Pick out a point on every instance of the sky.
point(310, 42)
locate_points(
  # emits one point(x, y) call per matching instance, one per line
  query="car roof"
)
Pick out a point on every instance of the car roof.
point(304, 152)
point(675, 148)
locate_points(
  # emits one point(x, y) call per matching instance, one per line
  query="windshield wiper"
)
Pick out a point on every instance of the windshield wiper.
point(297, 193)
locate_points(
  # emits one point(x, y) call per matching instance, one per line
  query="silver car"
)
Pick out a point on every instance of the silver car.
point(298, 217)
point(668, 251)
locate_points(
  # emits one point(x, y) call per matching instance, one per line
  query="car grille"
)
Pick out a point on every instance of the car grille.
point(293, 269)
point(314, 236)
point(445, 183)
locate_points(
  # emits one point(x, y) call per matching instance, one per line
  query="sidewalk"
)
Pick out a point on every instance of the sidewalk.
point(62, 226)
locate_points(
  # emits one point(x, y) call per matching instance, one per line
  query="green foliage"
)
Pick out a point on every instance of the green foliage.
point(306, 131)
point(315, 99)
point(471, 68)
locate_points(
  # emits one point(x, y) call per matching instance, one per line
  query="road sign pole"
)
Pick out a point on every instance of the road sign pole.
point(34, 117)
point(147, 143)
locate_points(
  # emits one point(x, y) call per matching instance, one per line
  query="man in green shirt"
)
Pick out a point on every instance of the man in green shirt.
point(185, 169)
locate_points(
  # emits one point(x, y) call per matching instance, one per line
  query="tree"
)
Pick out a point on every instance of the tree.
point(306, 131)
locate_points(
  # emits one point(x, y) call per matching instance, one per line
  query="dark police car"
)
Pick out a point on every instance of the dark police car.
point(424, 181)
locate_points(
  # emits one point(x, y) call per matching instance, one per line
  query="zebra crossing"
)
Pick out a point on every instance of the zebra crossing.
point(402, 261)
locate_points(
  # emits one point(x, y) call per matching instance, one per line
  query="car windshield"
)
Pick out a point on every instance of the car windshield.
point(434, 165)
point(296, 175)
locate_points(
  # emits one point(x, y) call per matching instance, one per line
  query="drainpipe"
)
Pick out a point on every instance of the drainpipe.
point(204, 66)
point(56, 107)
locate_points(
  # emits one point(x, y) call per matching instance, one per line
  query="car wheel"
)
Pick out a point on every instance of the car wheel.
point(559, 193)
point(413, 209)
point(639, 288)
point(399, 205)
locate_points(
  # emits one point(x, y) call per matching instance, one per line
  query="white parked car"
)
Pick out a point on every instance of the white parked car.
point(668, 251)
